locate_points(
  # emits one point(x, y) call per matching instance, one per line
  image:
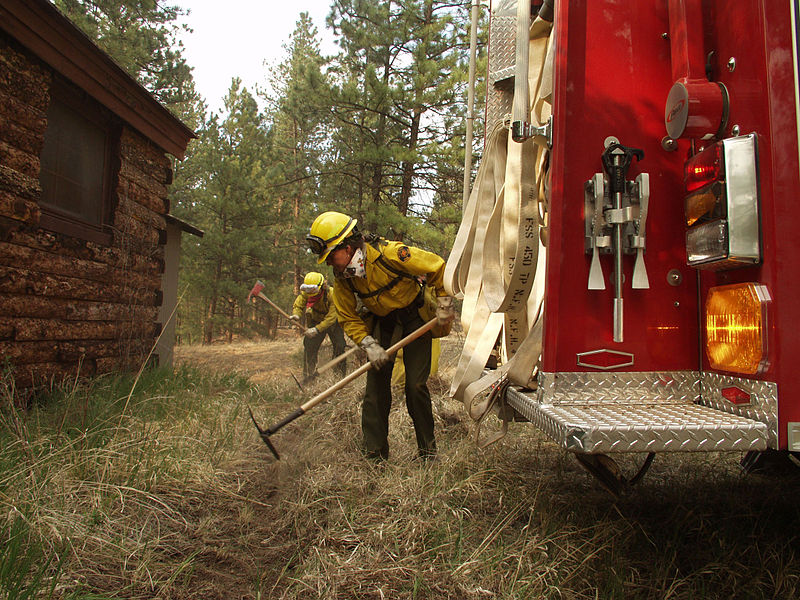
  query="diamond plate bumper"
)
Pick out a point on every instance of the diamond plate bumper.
point(641, 427)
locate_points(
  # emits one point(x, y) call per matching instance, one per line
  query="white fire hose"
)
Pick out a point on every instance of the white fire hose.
point(496, 264)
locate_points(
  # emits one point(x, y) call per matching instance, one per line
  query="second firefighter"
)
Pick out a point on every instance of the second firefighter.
point(314, 307)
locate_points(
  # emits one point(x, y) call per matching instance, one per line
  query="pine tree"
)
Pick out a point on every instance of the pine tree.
point(299, 102)
point(141, 36)
point(401, 82)
point(223, 192)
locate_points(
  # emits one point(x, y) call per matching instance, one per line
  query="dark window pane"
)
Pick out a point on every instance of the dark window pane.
point(73, 164)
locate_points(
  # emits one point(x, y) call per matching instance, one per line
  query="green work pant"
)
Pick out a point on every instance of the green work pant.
point(311, 349)
point(378, 395)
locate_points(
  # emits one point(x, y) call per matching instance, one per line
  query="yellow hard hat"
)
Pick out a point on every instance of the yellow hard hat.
point(312, 283)
point(314, 278)
point(328, 231)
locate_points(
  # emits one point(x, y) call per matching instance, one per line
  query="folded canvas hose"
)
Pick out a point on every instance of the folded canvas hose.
point(494, 260)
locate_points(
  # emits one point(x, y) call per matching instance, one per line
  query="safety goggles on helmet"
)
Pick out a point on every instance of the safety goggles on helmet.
point(318, 246)
point(310, 288)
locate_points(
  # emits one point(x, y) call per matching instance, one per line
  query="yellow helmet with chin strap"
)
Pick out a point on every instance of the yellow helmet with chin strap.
point(328, 231)
point(312, 283)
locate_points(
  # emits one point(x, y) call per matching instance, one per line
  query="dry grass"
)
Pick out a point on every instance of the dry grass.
point(182, 500)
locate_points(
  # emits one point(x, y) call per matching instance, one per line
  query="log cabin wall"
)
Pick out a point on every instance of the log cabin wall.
point(69, 305)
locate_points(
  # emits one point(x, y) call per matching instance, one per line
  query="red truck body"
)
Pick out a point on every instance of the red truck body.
point(628, 70)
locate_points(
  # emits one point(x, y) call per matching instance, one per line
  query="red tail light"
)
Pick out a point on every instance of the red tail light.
point(722, 205)
point(703, 168)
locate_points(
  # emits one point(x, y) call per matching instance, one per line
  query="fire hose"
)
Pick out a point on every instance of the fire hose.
point(499, 247)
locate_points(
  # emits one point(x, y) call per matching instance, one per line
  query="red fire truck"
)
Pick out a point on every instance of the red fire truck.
point(670, 300)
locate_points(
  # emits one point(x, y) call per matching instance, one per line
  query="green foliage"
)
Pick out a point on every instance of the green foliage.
point(24, 569)
point(141, 36)
point(222, 188)
point(299, 108)
point(399, 104)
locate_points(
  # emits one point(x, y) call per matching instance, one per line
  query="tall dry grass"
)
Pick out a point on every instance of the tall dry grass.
point(178, 498)
point(522, 520)
point(102, 477)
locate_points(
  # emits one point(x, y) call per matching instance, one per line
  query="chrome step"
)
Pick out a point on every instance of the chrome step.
point(641, 426)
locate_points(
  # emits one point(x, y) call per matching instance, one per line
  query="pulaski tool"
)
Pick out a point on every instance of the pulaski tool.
point(256, 291)
point(303, 409)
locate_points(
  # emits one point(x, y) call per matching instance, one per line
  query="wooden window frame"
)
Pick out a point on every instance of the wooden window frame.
point(54, 219)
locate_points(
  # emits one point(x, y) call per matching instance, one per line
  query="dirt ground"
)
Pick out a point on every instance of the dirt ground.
point(258, 361)
point(230, 561)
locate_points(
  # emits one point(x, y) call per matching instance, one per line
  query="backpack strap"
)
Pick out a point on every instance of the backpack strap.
point(377, 243)
point(386, 265)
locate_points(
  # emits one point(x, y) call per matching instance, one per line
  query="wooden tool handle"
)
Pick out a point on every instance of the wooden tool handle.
point(276, 307)
point(367, 366)
point(337, 360)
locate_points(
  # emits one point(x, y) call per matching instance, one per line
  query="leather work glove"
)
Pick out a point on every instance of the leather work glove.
point(375, 352)
point(294, 318)
point(311, 332)
point(444, 309)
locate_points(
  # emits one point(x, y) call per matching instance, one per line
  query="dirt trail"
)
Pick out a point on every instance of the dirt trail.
point(258, 361)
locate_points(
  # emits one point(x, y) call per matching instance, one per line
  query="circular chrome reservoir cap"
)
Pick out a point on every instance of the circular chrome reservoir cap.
point(676, 113)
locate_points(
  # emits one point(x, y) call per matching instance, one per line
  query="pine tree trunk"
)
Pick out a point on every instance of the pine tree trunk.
point(409, 166)
point(208, 330)
point(298, 275)
point(380, 135)
point(208, 327)
point(231, 321)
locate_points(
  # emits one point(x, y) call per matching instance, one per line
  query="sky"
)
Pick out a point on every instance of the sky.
point(233, 38)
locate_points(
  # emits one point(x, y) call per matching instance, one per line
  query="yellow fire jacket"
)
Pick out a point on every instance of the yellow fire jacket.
point(322, 315)
point(399, 294)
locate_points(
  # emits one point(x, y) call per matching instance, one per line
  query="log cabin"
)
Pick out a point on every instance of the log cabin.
point(85, 165)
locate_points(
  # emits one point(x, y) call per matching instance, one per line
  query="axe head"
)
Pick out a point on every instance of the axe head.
point(256, 290)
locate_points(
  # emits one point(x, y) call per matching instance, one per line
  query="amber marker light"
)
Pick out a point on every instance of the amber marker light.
point(702, 203)
point(736, 327)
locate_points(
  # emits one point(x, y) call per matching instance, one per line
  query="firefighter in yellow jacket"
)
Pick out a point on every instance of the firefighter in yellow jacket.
point(315, 303)
point(386, 278)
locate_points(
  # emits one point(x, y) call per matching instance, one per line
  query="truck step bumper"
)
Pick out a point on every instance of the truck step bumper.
point(641, 427)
